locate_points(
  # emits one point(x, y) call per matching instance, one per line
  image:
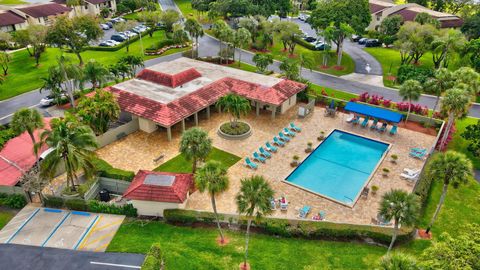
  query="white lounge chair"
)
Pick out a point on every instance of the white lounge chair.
point(350, 118)
point(411, 171)
point(409, 177)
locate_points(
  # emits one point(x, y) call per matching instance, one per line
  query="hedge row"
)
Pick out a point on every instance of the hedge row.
point(298, 228)
point(15, 201)
point(116, 48)
point(305, 44)
point(91, 206)
point(154, 259)
point(159, 45)
point(104, 169)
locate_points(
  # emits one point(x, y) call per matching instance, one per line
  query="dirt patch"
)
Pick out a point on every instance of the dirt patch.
point(338, 67)
point(225, 241)
point(418, 128)
point(324, 67)
point(244, 266)
point(422, 234)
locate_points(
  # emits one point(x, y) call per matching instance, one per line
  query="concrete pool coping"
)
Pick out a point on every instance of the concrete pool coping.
point(359, 193)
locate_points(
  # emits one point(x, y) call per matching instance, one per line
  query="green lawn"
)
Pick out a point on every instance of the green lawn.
point(12, 2)
point(5, 217)
point(187, 248)
point(179, 164)
point(460, 144)
point(188, 12)
point(24, 76)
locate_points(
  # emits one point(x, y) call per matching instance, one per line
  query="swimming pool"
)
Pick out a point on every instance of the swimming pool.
point(339, 167)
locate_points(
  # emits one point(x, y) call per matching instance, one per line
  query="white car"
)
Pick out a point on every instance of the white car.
point(105, 26)
point(109, 43)
point(130, 34)
point(49, 100)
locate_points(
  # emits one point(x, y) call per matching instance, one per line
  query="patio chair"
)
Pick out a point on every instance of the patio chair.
point(418, 155)
point(250, 164)
point(409, 177)
point(350, 118)
point(294, 127)
point(264, 152)
point(393, 130)
point(278, 142)
point(374, 124)
point(270, 147)
point(356, 120)
point(365, 122)
point(283, 203)
point(383, 128)
point(259, 158)
point(323, 215)
point(273, 204)
point(288, 132)
point(283, 137)
point(412, 171)
point(304, 211)
point(418, 150)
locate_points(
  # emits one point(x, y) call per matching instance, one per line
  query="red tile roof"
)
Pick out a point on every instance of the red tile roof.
point(176, 193)
point(10, 18)
point(168, 79)
point(445, 21)
point(18, 151)
point(45, 10)
point(175, 111)
point(374, 8)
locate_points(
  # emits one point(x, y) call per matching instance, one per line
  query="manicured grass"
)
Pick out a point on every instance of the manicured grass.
point(187, 248)
point(188, 12)
point(12, 2)
point(243, 66)
point(24, 76)
point(179, 164)
point(5, 217)
point(460, 144)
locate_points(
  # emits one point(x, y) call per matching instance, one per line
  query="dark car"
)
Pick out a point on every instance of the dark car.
point(118, 38)
point(362, 41)
point(310, 39)
point(373, 43)
point(322, 47)
point(356, 38)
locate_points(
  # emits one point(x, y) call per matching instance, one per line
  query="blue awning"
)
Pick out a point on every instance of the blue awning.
point(379, 113)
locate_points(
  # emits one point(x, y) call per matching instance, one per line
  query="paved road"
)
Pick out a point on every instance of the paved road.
point(20, 257)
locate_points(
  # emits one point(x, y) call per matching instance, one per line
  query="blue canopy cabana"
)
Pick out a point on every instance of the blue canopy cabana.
point(379, 113)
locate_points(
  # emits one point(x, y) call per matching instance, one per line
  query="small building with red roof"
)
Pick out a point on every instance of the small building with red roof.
point(168, 93)
point(152, 192)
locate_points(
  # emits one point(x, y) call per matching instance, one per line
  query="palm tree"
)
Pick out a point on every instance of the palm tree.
point(442, 81)
point(195, 145)
point(72, 144)
point(96, 73)
point(456, 103)
point(306, 62)
point(242, 38)
point(71, 75)
point(223, 32)
point(235, 105)
point(468, 79)
point(195, 30)
point(398, 261)
point(98, 111)
point(132, 62)
point(401, 207)
point(253, 201)
point(410, 90)
point(53, 83)
point(452, 168)
point(212, 177)
point(27, 120)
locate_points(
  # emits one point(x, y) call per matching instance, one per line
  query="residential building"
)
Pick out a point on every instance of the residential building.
point(44, 13)
point(10, 21)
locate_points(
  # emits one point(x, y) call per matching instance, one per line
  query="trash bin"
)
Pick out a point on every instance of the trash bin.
point(104, 195)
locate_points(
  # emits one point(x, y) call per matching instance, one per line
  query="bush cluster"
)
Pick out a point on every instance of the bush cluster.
point(188, 217)
point(5, 135)
point(91, 206)
point(305, 44)
point(239, 129)
point(76, 204)
point(159, 45)
point(15, 201)
point(154, 259)
point(106, 170)
point(411, 72)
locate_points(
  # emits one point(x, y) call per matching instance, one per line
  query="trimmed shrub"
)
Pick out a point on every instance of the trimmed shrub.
point(76, 204)
point(188, 217)
point(101, 207)
point(106, 170)
point(160, 44)
point(5, 135)
point(54, 202)
point(15, 201)
point(305, 44)
point(411, 72)
point(241, 128)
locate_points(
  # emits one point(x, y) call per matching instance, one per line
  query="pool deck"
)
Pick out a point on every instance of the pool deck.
point(138, 150)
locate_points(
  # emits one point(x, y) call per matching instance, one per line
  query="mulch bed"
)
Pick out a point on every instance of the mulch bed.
point(423, 235)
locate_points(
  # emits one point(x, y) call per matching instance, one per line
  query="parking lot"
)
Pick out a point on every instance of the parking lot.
point(57, 228)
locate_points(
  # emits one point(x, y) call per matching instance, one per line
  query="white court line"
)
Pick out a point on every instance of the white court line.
point(117, 265)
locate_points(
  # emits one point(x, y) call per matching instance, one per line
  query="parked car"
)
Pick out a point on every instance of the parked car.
point(309, 39)
point(362, 41)
point(130, 34)
point(321, 46)
point(50, 100)
point(104, 26)
point(109, 43)
point(118, 37)
point(356, 38)
point(109, 24)
point(117, 20)
point(373, 43)
point(140, 29)
point(301, 17)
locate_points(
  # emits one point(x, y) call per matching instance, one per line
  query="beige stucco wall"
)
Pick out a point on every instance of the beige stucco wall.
point(149, 208)
point(147, 125)
point(288, 104)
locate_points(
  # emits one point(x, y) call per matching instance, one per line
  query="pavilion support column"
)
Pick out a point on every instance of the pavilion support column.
point(196, 119)
point(183, 125)
point(169, 133)
point(208, 112)
point(274, 111)
point(257, 108)
point(219, 108)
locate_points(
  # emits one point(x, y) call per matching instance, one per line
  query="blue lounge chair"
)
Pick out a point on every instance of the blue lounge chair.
point(356, 120)
point(383, 127)
point(304, 211)
point(393, 130)
point(264, 152)
point(374, 124)
point(278, 142)
point(323, 215)
point(270, 147)
point(257, 157)
point(418, 150)
point(283, 137)
point(250, 164)
point(288, 132)
point(365, 122)
point(418, 155)
point(294, 127)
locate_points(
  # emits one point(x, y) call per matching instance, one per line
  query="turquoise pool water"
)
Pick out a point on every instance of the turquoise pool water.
point(339, 167)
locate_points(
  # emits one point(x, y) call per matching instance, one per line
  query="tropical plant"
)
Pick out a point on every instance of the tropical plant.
point(305, 62)
point(168, 18)
point(224, 33)
point(124, 26)
point(400, 206)
point(398, 261)
point(5, 59)
point(446, 43)
point(96, 73)
point(410, 90)
point(195, 30)
point(253, 201)
point(98, 111)
point(456, 103)
point(27, 120)
point(53, 83)
point(195, 145)
point(179, 36)
point(132, 63)
point(290, 68)
point(468, 79)
point(242, 38)
point(71, 77)
point(212, 178)
point(451, 168)
point(73, 144)
point(472, 135)
point(442, 81)
point(235, 105)
point(262, 60)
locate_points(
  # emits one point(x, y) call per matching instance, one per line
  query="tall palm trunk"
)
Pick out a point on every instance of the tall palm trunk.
point(394, 236)
point(214, 206)
point(409, 109)
point(340, 54)
point(194, 165)
point(239, 57)
point(247, 238)
point(196, 45)
point(439, 206)
point(435, 106)
point(447, 131)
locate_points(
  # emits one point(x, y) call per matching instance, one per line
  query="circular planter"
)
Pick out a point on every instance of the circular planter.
point(235, 137)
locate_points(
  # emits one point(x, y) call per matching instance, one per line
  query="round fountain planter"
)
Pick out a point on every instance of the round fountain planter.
point(235, 137)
